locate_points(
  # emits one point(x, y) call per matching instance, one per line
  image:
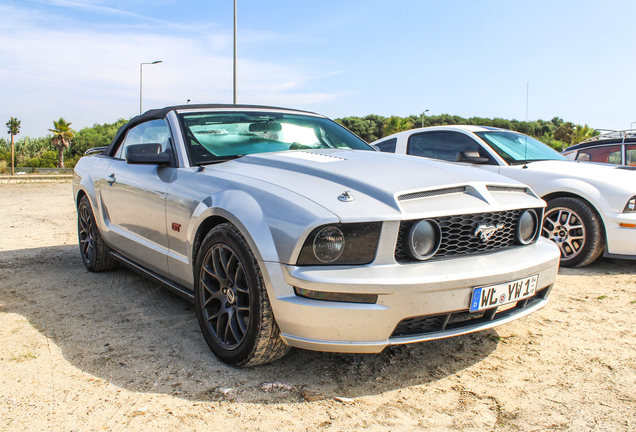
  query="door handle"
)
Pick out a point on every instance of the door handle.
point(111, 178)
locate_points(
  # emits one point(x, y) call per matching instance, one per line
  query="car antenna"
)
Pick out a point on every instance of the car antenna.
point(525, 156)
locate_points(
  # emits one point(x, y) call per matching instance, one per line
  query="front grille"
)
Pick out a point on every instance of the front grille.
point(458, 234)
point(431, 193)
point(434, 323)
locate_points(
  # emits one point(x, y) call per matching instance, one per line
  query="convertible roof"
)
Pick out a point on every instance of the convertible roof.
point(160, 113)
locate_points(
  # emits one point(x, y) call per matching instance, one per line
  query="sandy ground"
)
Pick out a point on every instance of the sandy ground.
point(111, 351)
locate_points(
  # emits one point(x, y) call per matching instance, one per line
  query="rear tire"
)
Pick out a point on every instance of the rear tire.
point(231, 301)
point(576, 228)
point(93, 250)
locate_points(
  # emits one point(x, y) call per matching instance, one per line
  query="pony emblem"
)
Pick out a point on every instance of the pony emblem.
point(485, 232)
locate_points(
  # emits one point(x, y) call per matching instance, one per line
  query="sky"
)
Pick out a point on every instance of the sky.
point(80, 59)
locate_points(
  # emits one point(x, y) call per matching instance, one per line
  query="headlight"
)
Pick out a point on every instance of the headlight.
point(424, 239)
point(527, 227)
point(631, 206)
point(352, 243)
point(329, 244)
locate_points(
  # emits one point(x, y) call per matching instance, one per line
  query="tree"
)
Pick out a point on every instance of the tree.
point(581, 133)
point(14, 128)
point(396, 124)
point(61, 138)
point(565, 133)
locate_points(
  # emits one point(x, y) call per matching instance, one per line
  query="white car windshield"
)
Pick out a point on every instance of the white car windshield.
point(516, 148)
point(216, 137)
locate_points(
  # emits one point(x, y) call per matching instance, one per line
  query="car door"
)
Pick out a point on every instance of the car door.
point(134, 199)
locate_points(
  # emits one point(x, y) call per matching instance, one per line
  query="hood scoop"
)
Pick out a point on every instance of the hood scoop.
point(315, 157)
point(493, 188)
point(432, 193)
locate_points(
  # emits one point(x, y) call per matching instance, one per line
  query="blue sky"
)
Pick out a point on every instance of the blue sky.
point(80, 58)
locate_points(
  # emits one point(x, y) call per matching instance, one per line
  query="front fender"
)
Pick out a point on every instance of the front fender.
point(575, 187)
point(273, 225)
point(242, 210)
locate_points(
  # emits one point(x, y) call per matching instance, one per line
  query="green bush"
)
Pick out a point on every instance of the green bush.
point(47, 159)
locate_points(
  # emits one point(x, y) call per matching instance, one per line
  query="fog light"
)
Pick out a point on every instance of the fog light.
point(424, 239)
point(329, 244)
point(527, 226)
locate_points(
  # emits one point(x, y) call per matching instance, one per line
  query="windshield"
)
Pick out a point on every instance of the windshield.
point(216, 137)
point(516, 148)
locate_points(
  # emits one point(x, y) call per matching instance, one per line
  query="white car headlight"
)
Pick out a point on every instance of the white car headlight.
point(424, 239)
point(631, 206)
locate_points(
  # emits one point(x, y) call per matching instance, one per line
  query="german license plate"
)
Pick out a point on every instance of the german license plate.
point(492, 296)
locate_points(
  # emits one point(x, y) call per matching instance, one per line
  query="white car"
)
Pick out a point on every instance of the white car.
point(591, 207)
point(285, 229)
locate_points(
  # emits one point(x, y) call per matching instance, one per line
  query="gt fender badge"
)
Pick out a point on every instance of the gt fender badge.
point(176, 227)
point(346, 197)
point(485, 232)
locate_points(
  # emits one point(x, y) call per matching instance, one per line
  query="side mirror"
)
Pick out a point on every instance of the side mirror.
point(471, 156)
point(147, 154)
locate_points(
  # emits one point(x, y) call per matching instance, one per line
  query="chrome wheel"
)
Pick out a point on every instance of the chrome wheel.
point(87, 247)
point(226, 296)
point(566, 228)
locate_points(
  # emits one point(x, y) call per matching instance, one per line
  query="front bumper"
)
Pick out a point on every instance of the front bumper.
point(621, 240)
point(404, 291)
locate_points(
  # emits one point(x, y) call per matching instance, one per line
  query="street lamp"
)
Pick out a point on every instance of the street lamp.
point(423, 117)
point(631, 126)
point(141, 79)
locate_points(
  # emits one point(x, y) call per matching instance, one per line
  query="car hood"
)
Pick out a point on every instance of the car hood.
point(379, 182)
point(605, 178)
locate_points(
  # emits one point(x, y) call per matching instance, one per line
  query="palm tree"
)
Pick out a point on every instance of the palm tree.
point(61, 138)
point(581, 133)
point(14, 129)
point(396, 124)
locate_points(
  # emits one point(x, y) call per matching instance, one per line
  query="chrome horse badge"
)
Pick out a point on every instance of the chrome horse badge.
point(485, 232)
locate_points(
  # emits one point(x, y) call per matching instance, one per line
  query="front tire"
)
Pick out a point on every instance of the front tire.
point(576, 228)
point(93, 250)
point(231, 301)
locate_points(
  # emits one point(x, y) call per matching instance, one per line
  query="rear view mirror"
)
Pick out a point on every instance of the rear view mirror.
point(266, 127)
point(471, 156)
point(148, 154)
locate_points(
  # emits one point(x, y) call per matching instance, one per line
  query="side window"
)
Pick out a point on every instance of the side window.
point(150, 132)
point(442, 145)
point(606, 154)
point(630, 155)
point(387, 146)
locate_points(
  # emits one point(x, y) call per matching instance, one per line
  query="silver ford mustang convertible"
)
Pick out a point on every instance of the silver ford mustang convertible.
point(285, 229)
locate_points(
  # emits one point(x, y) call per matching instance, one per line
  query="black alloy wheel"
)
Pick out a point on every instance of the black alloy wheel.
point(226, 304)
point(231, 301)
point(93, 250)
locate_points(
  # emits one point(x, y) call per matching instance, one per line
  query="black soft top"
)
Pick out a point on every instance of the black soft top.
point(156, 114)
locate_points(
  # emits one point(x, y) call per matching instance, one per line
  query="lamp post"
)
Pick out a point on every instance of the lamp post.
point(423, 117)
point(141, 79)
point(631, 126)
point(234, 52)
